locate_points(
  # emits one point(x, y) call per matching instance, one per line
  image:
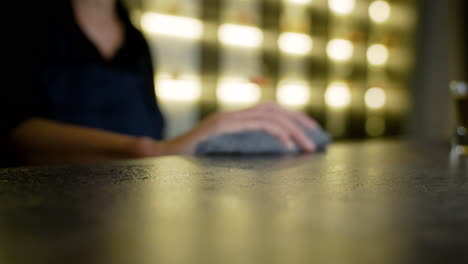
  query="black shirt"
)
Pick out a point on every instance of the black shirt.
point(60, 75)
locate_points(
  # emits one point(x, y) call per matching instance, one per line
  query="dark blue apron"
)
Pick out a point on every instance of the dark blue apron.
point(102, 97)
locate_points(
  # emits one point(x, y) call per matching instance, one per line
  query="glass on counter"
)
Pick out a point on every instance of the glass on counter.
point(459, 91)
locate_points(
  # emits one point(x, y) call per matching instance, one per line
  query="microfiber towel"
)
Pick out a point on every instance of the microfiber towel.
point(256, 142)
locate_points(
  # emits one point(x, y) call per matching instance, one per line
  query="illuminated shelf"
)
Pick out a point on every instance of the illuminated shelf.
point(333, 63)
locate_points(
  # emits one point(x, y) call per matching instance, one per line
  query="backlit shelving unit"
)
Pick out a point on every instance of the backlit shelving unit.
point(347, 63)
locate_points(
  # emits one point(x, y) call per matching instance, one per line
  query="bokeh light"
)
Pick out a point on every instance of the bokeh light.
point(338, 95)
point(375, 98)
point(173, 26)
point(342, 7)
point(238, 91)
point(377, 54)
point(340, 49)
point(379, 11)
point(240, 36)
point(184, 89)
point(295, 43)
point(294, 94)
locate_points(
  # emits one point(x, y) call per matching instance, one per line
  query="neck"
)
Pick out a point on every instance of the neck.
point(100, 22)
point(96, 9)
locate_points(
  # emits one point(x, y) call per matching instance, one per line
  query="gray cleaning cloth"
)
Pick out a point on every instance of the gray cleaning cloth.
point(256, 142)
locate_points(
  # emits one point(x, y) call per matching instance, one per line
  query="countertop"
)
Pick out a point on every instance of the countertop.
point(362, 202)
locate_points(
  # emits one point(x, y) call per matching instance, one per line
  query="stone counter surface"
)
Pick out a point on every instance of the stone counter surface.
point(363, 202)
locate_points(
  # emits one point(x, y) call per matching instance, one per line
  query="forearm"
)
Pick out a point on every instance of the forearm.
point(40, 141)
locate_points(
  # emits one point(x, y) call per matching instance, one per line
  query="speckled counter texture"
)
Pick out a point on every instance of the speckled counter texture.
point(363, 203)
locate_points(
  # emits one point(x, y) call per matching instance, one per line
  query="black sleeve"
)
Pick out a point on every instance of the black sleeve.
point(148, 70)
point(145, 64)
point(146, 67)
point(20, 91)
point(23, 40)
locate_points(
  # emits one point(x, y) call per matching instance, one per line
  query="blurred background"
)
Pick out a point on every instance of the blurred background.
point(362, 68)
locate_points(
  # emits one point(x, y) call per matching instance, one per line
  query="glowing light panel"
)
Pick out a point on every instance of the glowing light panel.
point(340, 49)
point(238, 92)
point(185, 89)
point(338, 95)
point(375, 98)
point(240, 36)
point(377, 54)
point(294, 94)
point(379, 11)
point(174, 26)
point(295, 43)
point(342, 7)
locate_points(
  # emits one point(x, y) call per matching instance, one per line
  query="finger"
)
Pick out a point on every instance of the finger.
point(288, 121)
point(303, 119)
point(259, 124)
point(232, 122)
point(296, 116)
point(297, 133)
point(294, 131)
point(274, 130)
point(235, 122)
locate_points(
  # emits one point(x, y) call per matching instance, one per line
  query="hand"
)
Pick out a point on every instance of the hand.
point(268, 117)
point(41, 141)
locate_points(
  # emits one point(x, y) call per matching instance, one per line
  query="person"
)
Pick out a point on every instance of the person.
point(86, 94)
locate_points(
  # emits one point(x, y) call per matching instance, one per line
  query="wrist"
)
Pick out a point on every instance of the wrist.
point(142, 147)
point(185, 144)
